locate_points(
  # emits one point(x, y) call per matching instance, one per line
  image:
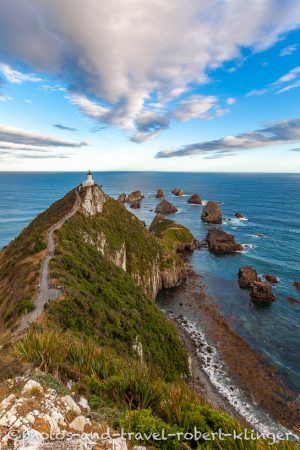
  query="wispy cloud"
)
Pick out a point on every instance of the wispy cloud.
point(5, 98)
point(64, 127)
point(274, 134)
point(289, 50)
point(16, 138)
point(257, 92)
point(295, 149)
point(16, 77)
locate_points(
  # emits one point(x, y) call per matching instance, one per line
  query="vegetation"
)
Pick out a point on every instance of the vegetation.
point(173, 235)
point(25, 306)
point(20, 261)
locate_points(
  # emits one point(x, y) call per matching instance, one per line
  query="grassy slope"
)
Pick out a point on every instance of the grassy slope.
point(20, 262)
point(102, 301)
point(173, 234)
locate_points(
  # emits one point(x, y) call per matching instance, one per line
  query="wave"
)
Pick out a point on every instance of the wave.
point(216, 371)
point(247, 248)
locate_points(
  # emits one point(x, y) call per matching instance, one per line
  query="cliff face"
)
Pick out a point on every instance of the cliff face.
point(122, 239)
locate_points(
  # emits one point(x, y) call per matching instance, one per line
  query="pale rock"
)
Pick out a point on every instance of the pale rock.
point(71, 405)
point(31, 384)
point(31, 419)
point(29, 440)
point(7, 402)
point(84, 404)
point(118, 443)
point(79, 423)
point(9, 418)
point(54, 428)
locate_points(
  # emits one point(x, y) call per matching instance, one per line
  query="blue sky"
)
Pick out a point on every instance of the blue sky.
point(150, 85)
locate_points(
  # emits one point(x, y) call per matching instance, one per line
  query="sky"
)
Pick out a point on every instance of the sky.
point(159, 85)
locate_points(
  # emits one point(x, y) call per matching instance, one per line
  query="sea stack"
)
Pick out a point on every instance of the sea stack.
point(212, 213)
point(262, 293)
point(247, 276)
point(178, 192)
point(220, 242)
point(195, 199)
point(271, 279)
point(165, 207)
point(122, 198)
point(160, 193)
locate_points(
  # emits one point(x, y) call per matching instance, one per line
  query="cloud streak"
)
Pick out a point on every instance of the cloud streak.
point(63, 127)
point(275, 134)
point(16, 77)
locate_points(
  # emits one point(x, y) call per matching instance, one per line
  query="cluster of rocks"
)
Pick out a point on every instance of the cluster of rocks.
point(261, 291)
point(178, 192)
point(220, 242)
point(134, 199)
point(38, 418)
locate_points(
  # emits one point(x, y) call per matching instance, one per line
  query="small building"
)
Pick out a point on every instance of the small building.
point(89, 180)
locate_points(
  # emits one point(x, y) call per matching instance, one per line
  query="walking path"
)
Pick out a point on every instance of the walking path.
point(46, 291)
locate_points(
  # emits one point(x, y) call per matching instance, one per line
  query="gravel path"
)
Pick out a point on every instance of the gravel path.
point(46, 292)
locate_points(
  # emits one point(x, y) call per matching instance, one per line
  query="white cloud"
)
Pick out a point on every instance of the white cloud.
point(194, 107)
point(16, 77)
point(289, 87)
point(230, 101)
point(5, 98)
point(257, 92)
point(291, 75)
point(288, 50)
point(123, 52)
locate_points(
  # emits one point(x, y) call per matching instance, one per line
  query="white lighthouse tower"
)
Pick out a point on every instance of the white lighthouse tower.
point(89, 180)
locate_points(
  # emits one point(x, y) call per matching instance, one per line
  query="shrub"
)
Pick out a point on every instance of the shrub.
point(25, 306)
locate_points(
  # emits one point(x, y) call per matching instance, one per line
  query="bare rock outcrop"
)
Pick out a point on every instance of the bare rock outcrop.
point(122, 198)
point(262, 293)
point(247, 276)
point(178, 192)
point(160, 193)
point(92, 200)
point(220, 242)
point(195, 199)
point(165, 207)
point(239, 215)
point(271, 279)
point(135, 196)
point(136, 204)
point(212, 213)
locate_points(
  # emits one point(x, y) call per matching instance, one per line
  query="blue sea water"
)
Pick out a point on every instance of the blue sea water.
point(269, 201)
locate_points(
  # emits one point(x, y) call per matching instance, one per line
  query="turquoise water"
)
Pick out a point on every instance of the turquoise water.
point(269, 201)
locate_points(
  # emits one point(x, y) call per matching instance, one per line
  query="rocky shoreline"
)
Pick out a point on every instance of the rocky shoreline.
point(254, 389)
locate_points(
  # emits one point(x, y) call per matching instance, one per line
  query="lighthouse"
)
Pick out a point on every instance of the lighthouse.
point(89, 181)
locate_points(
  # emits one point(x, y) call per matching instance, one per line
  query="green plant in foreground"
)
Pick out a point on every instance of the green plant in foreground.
point(25, 306)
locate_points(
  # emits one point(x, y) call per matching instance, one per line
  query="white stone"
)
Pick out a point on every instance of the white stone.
point(70, 404)
point(31, 419)
point(29, 440)
point(54, 428)
point(9, 418)
point(84, 404)
point(118, 443)
point(30, 385)
point(79, 423)
point(7, 402)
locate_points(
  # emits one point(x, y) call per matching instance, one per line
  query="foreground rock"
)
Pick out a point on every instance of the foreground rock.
point(160, 193)
point(135, 196)
point(247, 276)
point(195, 199)
point(176, 236)
point(122, 198)
point(165, 207)
point(220, 242)
point(271, 279)
point(296, 285)
point(212, 213)
point(262, 293)
point(136, 204)
point(177, 191)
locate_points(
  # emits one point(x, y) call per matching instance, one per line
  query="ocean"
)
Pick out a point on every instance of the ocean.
point(272, 234)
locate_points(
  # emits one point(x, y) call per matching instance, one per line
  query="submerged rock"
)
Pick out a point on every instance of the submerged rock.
point(293, 300)
point(212, 213)
point(220, 242)
point(136, 204)
point(247, 276)
point(122, 198)
point(262, 293)
point(296, 285)
point(195, 199)
point(160, 193)
point(177, 191)
point(239, 215)
point(165, 207)
point(271, 279)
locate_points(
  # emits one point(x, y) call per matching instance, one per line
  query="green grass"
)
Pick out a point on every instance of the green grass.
point(25, 306)
point(171, 233)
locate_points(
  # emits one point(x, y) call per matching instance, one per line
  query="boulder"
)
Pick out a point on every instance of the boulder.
point(247, 276)
point(220, 242)
point(165, 207)
point(239, 215)
point(212, 213)
point(195, 199)
point(30, 386)
point(160, 193)
point(122, 198)
point(135, 196)
point(136, 204)
point(71, 405)
point(292, 300)
point(296, 285)
point(271, 279)
point(79, 423)
point(177, 191)
point(262, 293)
